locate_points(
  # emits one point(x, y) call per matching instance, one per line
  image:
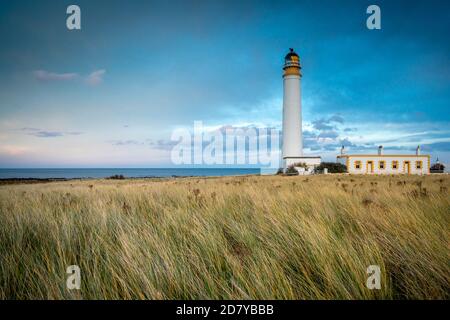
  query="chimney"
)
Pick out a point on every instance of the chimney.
point(418, 150)
point(380, 150)
point(343, 150)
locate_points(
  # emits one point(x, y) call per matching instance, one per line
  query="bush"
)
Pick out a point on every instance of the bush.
point(291, 171)
point(333, 167)
point(117, 177)
point(437, 167)
point(300, 165)
point(279, 171)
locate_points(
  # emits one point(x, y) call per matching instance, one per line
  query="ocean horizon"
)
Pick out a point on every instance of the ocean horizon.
point(86, 173)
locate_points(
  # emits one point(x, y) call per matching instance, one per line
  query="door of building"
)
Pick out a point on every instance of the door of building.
point(369, 167)
point(407, 167)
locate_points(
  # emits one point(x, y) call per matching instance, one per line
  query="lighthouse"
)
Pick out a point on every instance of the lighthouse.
point(292, 151)
point(292, 107)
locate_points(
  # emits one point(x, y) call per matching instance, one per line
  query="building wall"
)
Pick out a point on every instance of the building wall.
point(351, 162)
point(309, 161)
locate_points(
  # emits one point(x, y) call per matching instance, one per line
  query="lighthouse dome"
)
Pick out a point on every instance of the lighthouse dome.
point(292, 55)
point(292, 63)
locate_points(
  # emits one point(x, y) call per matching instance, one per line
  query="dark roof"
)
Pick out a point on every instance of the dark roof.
point(291, 54)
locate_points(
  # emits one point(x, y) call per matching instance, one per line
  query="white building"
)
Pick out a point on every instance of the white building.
point(385, 163)
point(292, 115)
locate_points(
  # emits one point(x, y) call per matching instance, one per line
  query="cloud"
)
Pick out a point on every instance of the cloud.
point(336, 118)
point(73, 133)
point(346, 143)
point(437, 146)
point(333, 143)
point(48, 134)
point(168, 144)
point(322, 124)
point(162, 144)
point(52, 76)
point(325, 135)
point(328, 134)
point(326, 124)
point(95, 78)
point(126, 143)
point(12, 150)
point(30, 129)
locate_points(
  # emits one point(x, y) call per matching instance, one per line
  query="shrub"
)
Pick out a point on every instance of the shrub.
point(300, 165)
point(333, 167)
point(291, 171)
point(439, 167)
point(117, 177)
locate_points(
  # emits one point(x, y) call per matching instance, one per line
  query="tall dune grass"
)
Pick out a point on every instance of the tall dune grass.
point(227, 238)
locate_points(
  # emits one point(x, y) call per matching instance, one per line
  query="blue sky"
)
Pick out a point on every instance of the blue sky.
point(111, 94)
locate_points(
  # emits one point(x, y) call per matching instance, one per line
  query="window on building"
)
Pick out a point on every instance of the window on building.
point(395, 165)
point(418, 164)
point(357, 164)
point(381, 164)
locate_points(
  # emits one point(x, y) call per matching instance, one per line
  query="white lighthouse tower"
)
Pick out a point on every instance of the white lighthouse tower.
point(292, 115)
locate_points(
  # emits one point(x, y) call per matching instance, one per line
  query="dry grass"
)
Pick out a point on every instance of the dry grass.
point(229, 238)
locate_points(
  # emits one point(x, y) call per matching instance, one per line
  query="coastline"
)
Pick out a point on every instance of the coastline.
point(61, 174)
point(14, 181)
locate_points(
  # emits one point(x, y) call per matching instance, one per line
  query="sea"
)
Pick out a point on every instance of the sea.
point(84, 173)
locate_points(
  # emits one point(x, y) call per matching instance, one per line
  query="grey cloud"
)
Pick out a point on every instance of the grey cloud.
point(336, 118)
point(126, 142)
point(39, 133)
point(326, 124)
point(328, 134)
point(47, 134)
point(437, 146)
point(314, 142)
point(261, 132)
point(44, 75)
point(322, 124)
point(29, 129)
point(346, 143)
point(162, 144)
point(93, 79)
point(309, 134)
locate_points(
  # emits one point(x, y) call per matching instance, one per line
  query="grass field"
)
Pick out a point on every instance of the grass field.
point(265, 237)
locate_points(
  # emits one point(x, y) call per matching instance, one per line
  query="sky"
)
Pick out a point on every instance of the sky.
point(112, 93)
